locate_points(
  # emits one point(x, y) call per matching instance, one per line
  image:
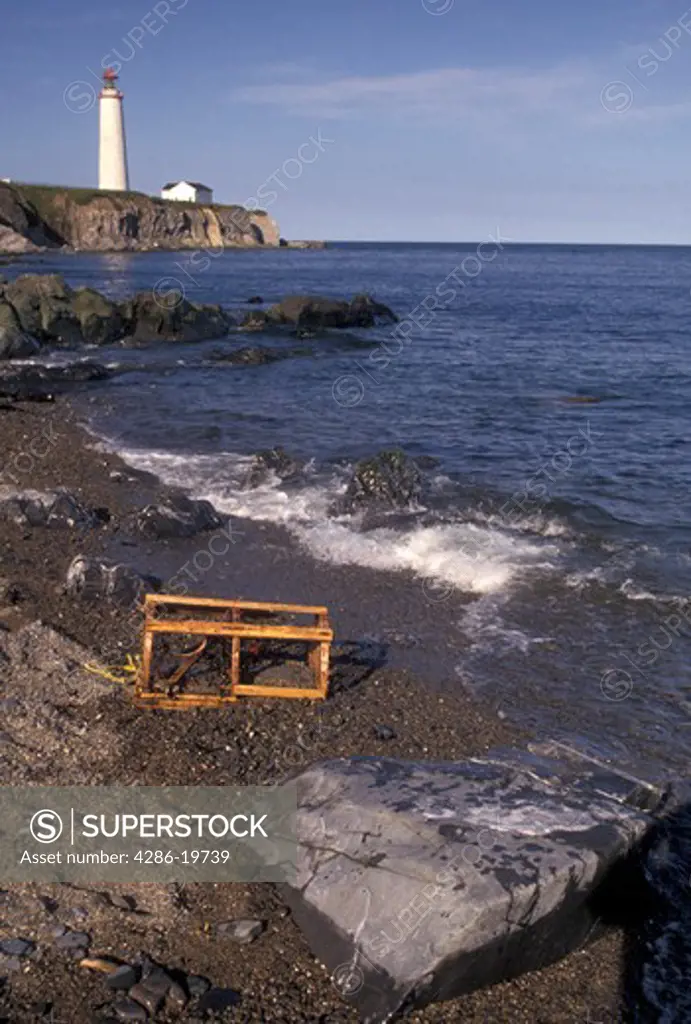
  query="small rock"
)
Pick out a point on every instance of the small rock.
point(177, 516)
point(152, 990)
point(146, 997)
point(50, 906)
point(79, 913)
point(59, 931)
point(9, 964)
point(256, 355)
point(122, 902)
point(176, 997)
point(57, 508)
point(218, 999)
point(73, 940)
point(384, 732)
point(274, 461)
point(17, 947)
point(127, 1009)
point(197, 985)
point(243, 931)
point(145, 963)
point(94, 578)
point(122, 978)
point(388, 480)
point(41, 1009)
point(255, 300)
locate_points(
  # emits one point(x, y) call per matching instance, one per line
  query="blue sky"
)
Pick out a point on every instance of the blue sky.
point(439, 119)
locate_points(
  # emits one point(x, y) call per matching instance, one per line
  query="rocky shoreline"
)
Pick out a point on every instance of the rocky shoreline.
point(40, 313)
point(61, 724)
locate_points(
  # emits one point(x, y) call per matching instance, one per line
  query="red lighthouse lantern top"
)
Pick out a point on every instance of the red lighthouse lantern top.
point(110, 88)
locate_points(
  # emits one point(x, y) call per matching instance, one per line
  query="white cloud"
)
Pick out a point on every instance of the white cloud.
point(570, 92)
point(443, 90)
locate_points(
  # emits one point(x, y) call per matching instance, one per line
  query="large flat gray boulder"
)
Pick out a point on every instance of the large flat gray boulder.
point(418, 882)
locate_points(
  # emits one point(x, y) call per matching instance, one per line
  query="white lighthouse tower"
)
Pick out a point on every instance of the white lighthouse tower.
point(112, 154)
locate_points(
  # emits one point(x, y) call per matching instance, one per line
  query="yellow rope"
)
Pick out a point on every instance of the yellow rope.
point(116, 673)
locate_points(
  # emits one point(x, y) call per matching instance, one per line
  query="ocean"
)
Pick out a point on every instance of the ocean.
point(545, 390)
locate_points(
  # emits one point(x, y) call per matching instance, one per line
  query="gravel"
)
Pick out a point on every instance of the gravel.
point(70, 727)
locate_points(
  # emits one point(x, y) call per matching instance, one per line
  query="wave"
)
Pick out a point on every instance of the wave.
point(467, 557)
point(609, 576)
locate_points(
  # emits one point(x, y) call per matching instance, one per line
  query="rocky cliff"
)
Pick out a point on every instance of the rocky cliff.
point(34, 216)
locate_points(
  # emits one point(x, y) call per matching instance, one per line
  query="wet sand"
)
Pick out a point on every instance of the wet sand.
point(431, 717)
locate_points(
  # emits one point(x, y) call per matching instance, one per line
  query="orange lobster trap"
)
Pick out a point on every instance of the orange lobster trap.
point(240, 629)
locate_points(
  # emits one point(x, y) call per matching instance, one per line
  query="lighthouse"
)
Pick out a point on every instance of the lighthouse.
point(112, 153)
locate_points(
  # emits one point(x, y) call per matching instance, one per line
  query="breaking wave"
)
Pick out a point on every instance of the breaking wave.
point(464, 556)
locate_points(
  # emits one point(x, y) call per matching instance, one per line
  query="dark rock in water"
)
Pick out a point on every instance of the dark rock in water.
point(177, 516)
point(309, 313)
point(45, 508)
point(366, 312)
point(659, 984)
point(100, 320)
point(78, 373)
point(273, 461)
point(201, 322)
point(99, 579)
point(47, 310)
point(151, 320)
point(43, 304)
point(257, 355)
point(388, 479)
point(255, 320)
point(427, 461)
point(37, 382)
point(14, 342)
point(254, 356)
point(483, 870)
point(255, 300)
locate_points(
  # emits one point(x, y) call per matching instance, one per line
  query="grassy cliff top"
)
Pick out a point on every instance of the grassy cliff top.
point(43, 196)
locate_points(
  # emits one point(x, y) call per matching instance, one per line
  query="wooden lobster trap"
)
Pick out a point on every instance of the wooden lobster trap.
point(242, 629)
